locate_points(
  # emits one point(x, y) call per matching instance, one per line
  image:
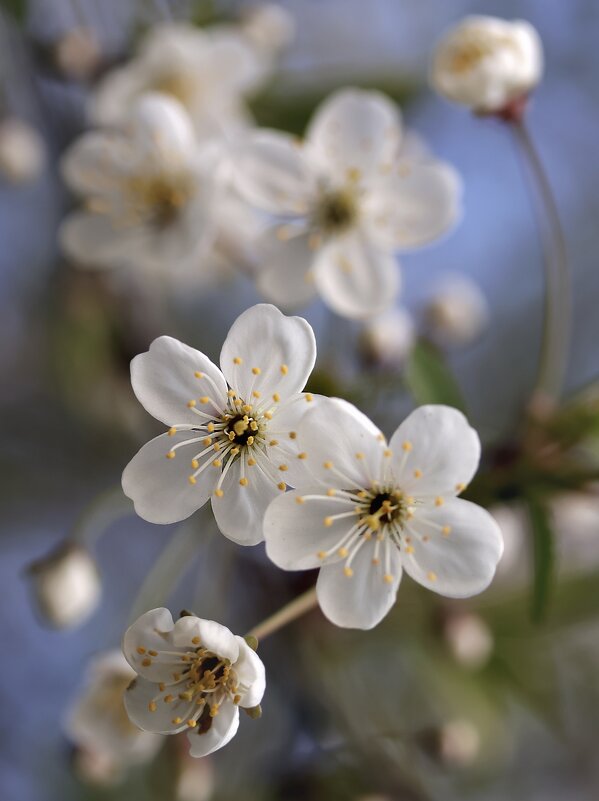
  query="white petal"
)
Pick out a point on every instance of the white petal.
point(435, 452)
point(94, 240)
point(112, 99)
point(250, 672)
point(96, 163)
point(273, 174)
point(285, 276)
point(160, 487)
point(223, 728)
point(295, 532)
point(414, 207)
point(213, 636)
point(335, 432)
point(137, 699)
point(287, 420)
point(458, 561)
point(150, 632)
point(355, 277)
point(162, 133)
point(164, 380)
point(362, 600)
point(282, 351)
point(355, 130)
point(240, 511)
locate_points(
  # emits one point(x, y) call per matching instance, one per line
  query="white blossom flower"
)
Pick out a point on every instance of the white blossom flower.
point(22, 152)
point(233, 431)
point(269, 27)
point(193, 676)
point(374, 510)
point(146, 194)
point(456, 312)
point(97, 722)
point(388, 338)
point(66, 585)
point(207, 71)
point(345, 201)
point(487, 63)
point(470, 639)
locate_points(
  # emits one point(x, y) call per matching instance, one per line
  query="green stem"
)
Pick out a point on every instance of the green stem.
point(97, 518)
point(290, 612)
point(557, 316)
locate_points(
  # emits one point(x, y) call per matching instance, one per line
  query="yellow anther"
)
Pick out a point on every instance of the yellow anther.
point(292, 435)
point(388, 453)
point(237, 360)
point(282, 486)
point(328, 521)
point(407, 446)
point(219, 493)
point(322, 554)
point(362, 494)
point(217, 463)
point(240, 427)
point(331, 492)
point(236, 699)
point(204, 399)
point(276, 397)
point(176, 676)
point(359, 455)
point(343, 552)
point(213, 710)
point(372, 522)
point(353, 174)
point(210, 427)
point(207, 441)
point(192, 480)
point(380, 437)
point(309, 397)
point(283, 468)
point(195, 464)
point(195, 640)
point(191, 404)
point(460, 487)
point(446, 531)
point(243, 482)
point(170, 455)
point(299, 499)
point(327, 465)
point(251, 462)
point(256, 370)
point(268, 416)
point(431, 576)
point(439, 501)
point(254, 425)
point(168, 698)
point(140, 649)
point(388, 578)
point(284, 369)
point(348, 572)
point(172, 432)
point(417, 473)
point(409, 549)
point(192, 723)
point(153, 653)
point(231, 393)
point(146, 662)
point(274, 442)
point(255, 394)
point(198, 374)
point(152, 706)
point(216, 446)
point(247, 408)
point(161, 686)
point(426, 538)
point(177, 721)
point(376, 562)
point(302, 455)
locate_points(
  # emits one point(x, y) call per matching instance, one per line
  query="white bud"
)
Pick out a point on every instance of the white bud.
point(66, 586)
point(22, 152)
point(487, 63)
point(269, 27)
point(459, 743)
point(78, 54)
point(457, 313)
point(470, 640)
point(196, 779)
point(388, 338)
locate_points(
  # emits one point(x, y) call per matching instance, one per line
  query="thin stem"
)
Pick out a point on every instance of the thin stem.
point(557, 317)
point(97, 518)
point(290, 612)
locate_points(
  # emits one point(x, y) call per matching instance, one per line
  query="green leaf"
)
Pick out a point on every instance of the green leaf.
point(429, 379)
point(16, 8)
point(543, 557)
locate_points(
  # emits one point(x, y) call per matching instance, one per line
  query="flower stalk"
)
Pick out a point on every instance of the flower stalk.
point(286, 615)
point(556, 325)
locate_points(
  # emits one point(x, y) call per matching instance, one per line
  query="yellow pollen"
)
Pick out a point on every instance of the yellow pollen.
point(256, 370)
point(153, 653)
point(359, 456)
point(246, 408)
point(417, 473)
point(170, 455)
point(219, 493)
point(140, 649)
point(254, 425)
point(388, 578)
point(276, 397)
point(172, 432)
point(387, 453)
point(273, 442)
point(152, 706)
point(207, 441)
point(302, 455)
point(195, 464)
point(210, 427)
point(446, 531)
point(204, 399)
point(198, 374)
point(192, 723)
point(431, 576)
point(167, 698)
point(353, 174)
point(243, 482)
point(236, 699)
point(376, 561)
point(176, 676)
point(251, 462)
point(299, 499)
point(195, 640)
point(331, 492)
point(460, 487)
point(309, 397)
point(255, 394)
point(327, 465)
point(292, 435)
point(231, 393)
point(439, 501)
point(426, 538)
point(146, 662)
point(322, 554)
point(176, 721)
point(283, 467)
point(216, 446)
point(284, 369)
point(328, 521)
point(348, 572)
point(191, 404)
point(268, 416)
point(161, 686)
point(217, 463)
point(250, 440)
point(237, 360)
point(409, 549)
point(407, 446)
point(282, 486)
point(343, 552)
point(192, 480)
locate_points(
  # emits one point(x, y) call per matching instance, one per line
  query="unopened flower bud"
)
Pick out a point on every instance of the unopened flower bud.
point(387, 339)
point(22, 152)
point(66, 585)
point(459, 743)
point(78, 54)
point(268, 26)
point(457, 313)
point(469, 639)
point(196, 779)
point(487, 63)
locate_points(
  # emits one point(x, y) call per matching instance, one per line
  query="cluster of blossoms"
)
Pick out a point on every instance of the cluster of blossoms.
point(310, 476)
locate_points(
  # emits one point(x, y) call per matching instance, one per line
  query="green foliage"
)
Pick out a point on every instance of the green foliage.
point(15, 8)
point(543, 557)
point(429, 380)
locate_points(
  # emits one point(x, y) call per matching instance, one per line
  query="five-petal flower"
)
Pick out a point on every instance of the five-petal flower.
point(193, 675)
point(233, 431)
point(375, 509)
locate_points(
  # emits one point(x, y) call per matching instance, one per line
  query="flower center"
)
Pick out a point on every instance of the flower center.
point(159, 199)
point(384, 509)
point(475, 47)
point(241, 428)
point(336, 211)
point(179, 85)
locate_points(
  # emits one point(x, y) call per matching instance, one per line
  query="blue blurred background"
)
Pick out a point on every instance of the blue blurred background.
point(60, 447)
